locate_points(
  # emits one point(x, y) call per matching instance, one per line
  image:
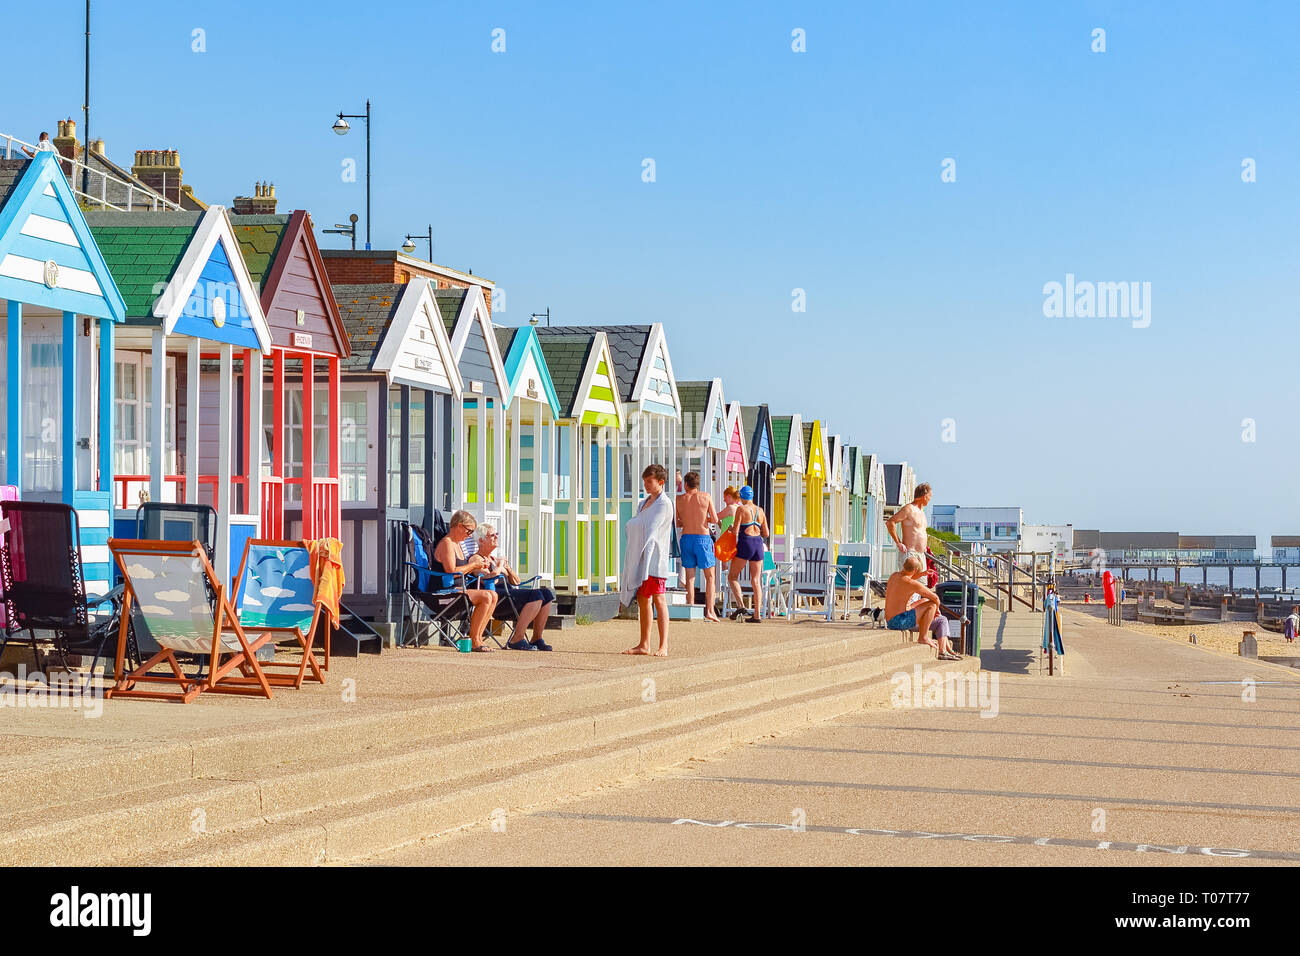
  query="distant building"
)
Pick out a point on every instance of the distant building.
point(1164, 547)
point(1058, 538)
point(992, 529)
point(1286, 548)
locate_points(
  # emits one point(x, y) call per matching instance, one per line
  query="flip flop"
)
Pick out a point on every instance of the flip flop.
point(482, 649)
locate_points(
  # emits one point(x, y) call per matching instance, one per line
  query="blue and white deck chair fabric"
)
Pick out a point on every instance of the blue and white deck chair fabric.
point(169, 582)
point(276, 596)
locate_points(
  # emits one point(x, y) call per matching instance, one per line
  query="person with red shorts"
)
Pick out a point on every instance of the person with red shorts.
point(646, 562)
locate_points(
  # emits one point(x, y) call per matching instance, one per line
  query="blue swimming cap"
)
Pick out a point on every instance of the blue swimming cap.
point(747, 493)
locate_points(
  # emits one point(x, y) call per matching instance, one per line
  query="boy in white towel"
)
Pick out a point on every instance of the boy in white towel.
point(645, 570)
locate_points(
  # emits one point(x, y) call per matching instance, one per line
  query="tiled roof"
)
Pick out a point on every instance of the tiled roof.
point(142, 249)
point(807, 438)
point(627, 345)
point(449, 303)
point(893, 481)
point(566, 351)
point(505, 336)
point(366, 311)
point(781, 425)
point(11, 170)
point(259, 239)
point(694, 397)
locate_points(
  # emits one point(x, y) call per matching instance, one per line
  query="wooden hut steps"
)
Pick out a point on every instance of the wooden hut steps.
point(333, 792)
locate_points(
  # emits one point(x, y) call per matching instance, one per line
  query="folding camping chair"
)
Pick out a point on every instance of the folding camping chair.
point(508, 603)
point(441, 595)
point(275, 595)
point(43, 587)
point(169, 582)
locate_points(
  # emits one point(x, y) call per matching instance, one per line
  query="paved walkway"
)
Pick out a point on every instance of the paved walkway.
point(1142, 752)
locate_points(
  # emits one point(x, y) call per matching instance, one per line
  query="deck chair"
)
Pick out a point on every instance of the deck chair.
point(275, 595)
point(440, 597)
point(43, 587)
point(161, 521)
point(813, 582)
point(7, 493)
point(169, 582)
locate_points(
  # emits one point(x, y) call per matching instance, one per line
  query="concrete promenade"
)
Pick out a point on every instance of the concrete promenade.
point(1142, 752)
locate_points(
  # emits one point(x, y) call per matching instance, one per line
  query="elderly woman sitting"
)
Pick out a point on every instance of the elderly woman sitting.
point(450, 556)
point(534, 604)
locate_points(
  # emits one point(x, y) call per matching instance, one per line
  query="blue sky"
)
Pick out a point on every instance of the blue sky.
point(778, 170)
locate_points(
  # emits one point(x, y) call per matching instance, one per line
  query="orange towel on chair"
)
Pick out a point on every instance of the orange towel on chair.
point(327, 574)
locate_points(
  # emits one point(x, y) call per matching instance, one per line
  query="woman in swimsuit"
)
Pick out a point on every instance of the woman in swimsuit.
point(751, 529)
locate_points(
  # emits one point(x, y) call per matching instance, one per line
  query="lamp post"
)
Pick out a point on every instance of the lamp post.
point(408, 245)
point(341, 126)
point(537, 317)
point(349, 230)
point(85, 119)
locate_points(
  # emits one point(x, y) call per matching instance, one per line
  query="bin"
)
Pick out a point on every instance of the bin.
point(968, 603)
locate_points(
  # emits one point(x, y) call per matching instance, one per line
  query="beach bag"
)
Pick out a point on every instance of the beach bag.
point(724, 548)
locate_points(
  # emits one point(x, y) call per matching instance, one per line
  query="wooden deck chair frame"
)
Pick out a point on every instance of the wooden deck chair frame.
point(251, 679)
point(306, 642)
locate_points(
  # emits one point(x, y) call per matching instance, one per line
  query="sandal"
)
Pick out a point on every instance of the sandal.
point(753, 620)
point(521, 646)
point(481, 649)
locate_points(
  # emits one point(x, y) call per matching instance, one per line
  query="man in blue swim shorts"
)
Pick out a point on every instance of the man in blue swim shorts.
point(904, 588)
point(695, 512)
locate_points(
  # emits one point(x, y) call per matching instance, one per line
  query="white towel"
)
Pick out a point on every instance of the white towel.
point(649, 537)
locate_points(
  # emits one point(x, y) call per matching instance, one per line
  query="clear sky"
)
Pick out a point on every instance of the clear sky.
point(821, 171)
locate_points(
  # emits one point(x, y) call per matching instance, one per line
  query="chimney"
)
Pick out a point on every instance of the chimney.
point(97, 147)
point(160, 170)
point(65, 141)
point(261, 203)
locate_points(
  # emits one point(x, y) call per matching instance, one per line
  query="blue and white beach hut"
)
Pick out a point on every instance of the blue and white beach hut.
point(60, 306)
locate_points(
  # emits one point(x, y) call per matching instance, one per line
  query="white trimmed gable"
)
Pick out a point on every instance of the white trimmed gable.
point(416, 350)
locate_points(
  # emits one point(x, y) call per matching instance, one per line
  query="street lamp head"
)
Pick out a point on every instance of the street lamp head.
point(409, 245)
point(341, 125)
point(533, 320)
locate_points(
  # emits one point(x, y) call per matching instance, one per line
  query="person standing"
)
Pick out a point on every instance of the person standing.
point(645, 572)
point(1291, 625)
point(694, 516)
point(911, 518)
point(751, 529)
point(43, 145)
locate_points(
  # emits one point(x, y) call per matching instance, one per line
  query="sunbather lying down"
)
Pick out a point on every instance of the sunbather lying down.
point(449, 555)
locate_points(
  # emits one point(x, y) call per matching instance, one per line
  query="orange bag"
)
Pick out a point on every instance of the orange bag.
point(724, 549)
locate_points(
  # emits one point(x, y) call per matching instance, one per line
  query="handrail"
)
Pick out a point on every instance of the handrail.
point(79, 167)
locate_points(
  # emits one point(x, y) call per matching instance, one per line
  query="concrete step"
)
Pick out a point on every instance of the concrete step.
point(176, 817)
point(363, 829)
point(122, 769)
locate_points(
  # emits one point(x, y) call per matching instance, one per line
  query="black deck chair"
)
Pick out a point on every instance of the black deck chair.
point(43, 587)
point(441, 595)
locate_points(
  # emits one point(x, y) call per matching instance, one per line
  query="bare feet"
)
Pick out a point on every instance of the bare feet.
point(713, 617)
point(662, 652)
point(638, 650)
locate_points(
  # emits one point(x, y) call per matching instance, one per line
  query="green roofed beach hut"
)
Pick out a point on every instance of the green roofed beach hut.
point(588, 426)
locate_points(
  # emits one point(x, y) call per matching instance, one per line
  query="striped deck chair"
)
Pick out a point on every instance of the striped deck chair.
point(169, 583)
point(7, 493)
point(276, 597)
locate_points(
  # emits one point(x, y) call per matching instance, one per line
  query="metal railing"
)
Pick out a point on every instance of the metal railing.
point(96, 180)
point(1017, 576)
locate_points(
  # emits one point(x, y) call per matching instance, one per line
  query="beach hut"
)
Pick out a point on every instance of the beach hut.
point(307, 474)
point(757, 425)
point(479, 440)
point(532, 408)
point(181, 434)
point(834, 500)
point(587, 432)
point(814, 480)
point(402, 393)
point(857, 489)
point(874, 509)
point(736, 465)
point(60, 306)
point(647, 391)
point(787, 484)
point(705, 441)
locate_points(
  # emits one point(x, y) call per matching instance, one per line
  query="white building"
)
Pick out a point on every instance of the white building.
point(997, 529)
point(1048, 537)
